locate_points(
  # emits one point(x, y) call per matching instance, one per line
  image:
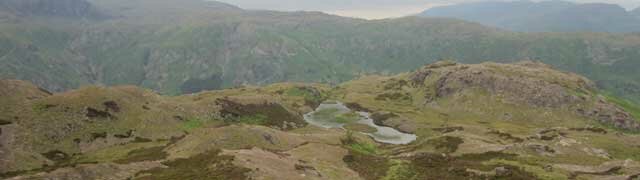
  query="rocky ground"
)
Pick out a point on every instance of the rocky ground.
point(473, 121)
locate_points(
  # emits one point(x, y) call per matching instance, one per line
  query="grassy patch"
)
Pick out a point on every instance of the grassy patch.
point(446, 144)
point(401, 170)
point(367, 165)
point(347, 117)
point(255, 119)
point(144, 154)
point(131, 152)
point(364, 148)
point(628, 106)
point(334, 116)
point(208, 165)
point(354, 145)
point(191, 124)
point(325, 113)
point(436, 166)
point(310, 95)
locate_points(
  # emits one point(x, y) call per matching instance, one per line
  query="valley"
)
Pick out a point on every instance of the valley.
point(196, 46)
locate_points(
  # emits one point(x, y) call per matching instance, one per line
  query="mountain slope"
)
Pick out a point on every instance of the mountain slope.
point(186, 47)
point(51, 8)
point(546, 16)
point(530, 122)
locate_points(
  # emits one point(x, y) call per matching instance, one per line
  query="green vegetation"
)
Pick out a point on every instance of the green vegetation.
point(208, 165)
point(191, 124)
point(133, 152)
point(364, 148)
point(347, 117)
point(367, 165)
point(360, 128)
point(256, 119)
point(185, 56)
point(333, 115)
point(446, 144)
point(400, 170)
point(628, 106)
point(144, 154)
point(354, 145)
point(310, 95)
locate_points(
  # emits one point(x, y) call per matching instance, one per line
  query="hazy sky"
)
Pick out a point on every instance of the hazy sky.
point(372, 9)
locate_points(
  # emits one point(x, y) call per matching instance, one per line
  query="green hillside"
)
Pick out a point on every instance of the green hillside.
point(176, 48)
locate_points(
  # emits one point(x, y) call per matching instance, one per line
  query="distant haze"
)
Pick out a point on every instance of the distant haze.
point(375, 9)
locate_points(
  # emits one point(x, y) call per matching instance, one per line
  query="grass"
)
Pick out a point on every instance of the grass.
point(446, 144)
point(333, 115)
point(305, 92)
point(400, 170)
point(351, 142)
point(364, 148)
point(208, 165)
point(347, 117)
point(144, 154)
point(360, 128)
point(367, 165)
point(630, 107)
point(191, 124)
point(131, 152)
point(255, 119)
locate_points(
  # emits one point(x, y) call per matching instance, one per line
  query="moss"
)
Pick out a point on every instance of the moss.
point(208, 165)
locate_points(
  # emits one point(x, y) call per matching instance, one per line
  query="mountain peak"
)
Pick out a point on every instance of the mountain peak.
point(547, 16)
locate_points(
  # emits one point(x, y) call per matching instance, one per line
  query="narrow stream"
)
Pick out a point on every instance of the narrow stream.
point(337, 115)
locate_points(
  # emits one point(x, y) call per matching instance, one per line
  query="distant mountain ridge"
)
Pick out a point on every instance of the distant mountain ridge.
point(186, 46)
point(52, 8)
point(545, 16)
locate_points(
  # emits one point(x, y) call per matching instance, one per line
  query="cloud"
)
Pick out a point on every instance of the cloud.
point(374, 9)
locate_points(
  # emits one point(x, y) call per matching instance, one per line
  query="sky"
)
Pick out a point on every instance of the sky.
point(374, 9)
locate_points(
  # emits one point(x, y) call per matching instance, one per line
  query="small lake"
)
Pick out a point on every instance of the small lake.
point(337, 115)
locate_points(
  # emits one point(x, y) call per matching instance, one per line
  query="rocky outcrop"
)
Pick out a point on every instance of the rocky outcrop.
point(261, 110)
point(530, 83)
point(608, 113)
point(526, 83)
